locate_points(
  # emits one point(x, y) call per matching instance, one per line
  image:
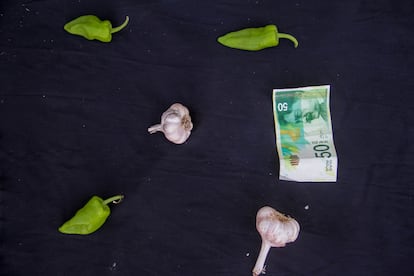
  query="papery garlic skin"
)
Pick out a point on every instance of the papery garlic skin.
point(276, 230)
point(175, 124)
point(275, 227)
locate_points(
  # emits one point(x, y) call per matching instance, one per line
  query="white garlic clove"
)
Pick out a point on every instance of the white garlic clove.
point(276, 230)
point(275, 227)
point(175, 124)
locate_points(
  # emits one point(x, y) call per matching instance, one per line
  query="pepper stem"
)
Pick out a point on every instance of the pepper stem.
point(117, 29)
point(290, 37)
point(115, 199)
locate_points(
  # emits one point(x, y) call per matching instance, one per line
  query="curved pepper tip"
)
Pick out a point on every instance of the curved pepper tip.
point(221, 40)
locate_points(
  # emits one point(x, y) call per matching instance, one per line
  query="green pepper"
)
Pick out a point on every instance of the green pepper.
point(90, 217)
point(91, 27)
point(255, 39)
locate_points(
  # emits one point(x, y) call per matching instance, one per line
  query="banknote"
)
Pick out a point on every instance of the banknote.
point(304, 136)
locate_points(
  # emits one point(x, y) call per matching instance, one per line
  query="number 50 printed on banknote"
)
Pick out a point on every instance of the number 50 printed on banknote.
point(304, 135)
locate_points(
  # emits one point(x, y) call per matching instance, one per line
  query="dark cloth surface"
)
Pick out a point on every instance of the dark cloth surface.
point(74, 116)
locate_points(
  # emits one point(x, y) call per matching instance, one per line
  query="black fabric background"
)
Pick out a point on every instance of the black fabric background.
point(74, 116)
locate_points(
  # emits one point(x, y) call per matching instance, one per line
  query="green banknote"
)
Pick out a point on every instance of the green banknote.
point(304, 135)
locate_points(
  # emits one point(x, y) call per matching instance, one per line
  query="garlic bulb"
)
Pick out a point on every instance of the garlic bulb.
point(175, 124)
point(275, 230)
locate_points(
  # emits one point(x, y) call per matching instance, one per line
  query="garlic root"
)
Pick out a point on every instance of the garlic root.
point(276, 230)
point(175, 124)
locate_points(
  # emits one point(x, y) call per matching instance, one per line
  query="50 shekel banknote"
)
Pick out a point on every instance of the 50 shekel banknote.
point(304, 135)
